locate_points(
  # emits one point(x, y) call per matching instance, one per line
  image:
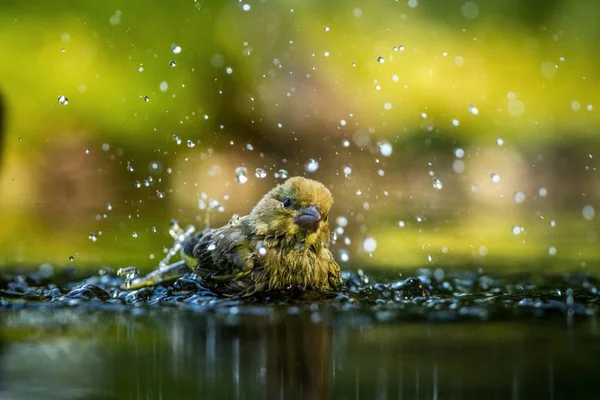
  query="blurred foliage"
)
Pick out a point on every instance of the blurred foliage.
point(270, 85)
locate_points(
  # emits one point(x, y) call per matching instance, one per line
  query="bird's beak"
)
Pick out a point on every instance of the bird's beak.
point(308, 218)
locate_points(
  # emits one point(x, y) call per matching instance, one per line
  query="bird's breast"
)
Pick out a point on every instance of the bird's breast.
point(295, 266)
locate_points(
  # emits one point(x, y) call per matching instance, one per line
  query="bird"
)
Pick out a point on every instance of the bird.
point(283, 243)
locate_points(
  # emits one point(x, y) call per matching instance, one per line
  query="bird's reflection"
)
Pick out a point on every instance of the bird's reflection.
point(275, 354)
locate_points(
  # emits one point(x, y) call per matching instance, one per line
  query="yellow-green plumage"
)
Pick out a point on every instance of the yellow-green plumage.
point(283, 242)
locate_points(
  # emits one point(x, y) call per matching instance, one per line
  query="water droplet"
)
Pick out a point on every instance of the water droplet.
point(62, 100)
point(437, 183)
point(177, 140)
point(326, 28)
point(495, 177)
point(146, 98)
point(128, 273)
point(155, 167)
point(341, 221)
point(138, 184)
point(134, 234)
point(588, 212)
point(347, 171)
point(459, 153)
point(260, 173)
point(173, 63)
point(176, 48)
point(575, 105)
point(455, 122)
point(344, 256)
point(241, 175)
point(458, 166)
point(115, 19)
point(473, 110)
point(346, 143)
point(552, 251)
point(283, 174)
point(191, 143)
point(516, 230)
point(369, 245)
point(93, 237)
point(160, 195)
point(543, 192)
point(401, 224)
point(380, 60)
point(500, 142)
point(519, 197)
point(261, 249)
point(470, 10)
point(71, 258)
point(312, 165)
point(385, 148)
point(246, 7)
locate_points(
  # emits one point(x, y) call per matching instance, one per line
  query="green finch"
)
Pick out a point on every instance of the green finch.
point(283, 243)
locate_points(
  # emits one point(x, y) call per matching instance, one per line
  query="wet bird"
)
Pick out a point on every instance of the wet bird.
point(282, 243)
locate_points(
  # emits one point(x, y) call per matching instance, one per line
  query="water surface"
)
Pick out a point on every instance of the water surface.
point(464, 336)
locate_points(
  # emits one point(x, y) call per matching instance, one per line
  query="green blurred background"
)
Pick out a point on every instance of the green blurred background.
point(451, 133)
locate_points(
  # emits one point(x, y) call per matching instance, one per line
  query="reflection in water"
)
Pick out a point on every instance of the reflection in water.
point(275, 353)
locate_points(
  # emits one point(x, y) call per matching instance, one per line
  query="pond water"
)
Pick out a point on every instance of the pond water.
point(432, 336)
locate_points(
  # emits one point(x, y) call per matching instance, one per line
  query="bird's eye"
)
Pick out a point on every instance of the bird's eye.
point(287, 202)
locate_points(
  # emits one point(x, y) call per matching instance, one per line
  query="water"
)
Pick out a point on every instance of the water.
point(438, 335)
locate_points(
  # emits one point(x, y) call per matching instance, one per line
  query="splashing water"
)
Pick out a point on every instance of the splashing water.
point(241, 175)
point(260, 173)
point(176, 49)
point(312, 165)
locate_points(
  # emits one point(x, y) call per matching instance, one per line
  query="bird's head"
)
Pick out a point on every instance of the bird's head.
point(295, 210)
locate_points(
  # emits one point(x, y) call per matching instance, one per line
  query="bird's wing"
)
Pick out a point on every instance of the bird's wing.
point(223, 254)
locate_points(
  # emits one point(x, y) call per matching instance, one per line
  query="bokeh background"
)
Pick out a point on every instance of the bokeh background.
point(453, 134)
